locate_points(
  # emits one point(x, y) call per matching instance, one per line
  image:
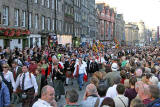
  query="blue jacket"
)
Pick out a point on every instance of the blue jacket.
point(4, 96)
point(155, 103)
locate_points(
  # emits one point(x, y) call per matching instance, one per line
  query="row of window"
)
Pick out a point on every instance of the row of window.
point(47, 3)
point(85, 3)
point(77, 3)
point(68, 9)
point(20, 20)
point(78, 31)
point(77, 17)
point(68, 28)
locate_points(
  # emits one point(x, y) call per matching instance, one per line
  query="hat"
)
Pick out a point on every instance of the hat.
point(114, 67)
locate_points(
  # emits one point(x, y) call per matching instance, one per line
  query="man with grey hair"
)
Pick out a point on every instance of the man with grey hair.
point(71, 97)
point(155, 96)
point(4, 94)
point(90, 96)
point(47, 98)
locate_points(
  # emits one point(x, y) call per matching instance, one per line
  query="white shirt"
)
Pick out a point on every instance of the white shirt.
point(100, 60)
point(18, 61)
point(16, 68)
point(119, 103)
point(100, 101)
point(29, 81)
point(9, 77)
point(82, 69)
point(61, 63)
point(41, 103)
point(112, 92)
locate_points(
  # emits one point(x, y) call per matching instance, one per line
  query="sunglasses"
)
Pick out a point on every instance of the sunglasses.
point(5, 67)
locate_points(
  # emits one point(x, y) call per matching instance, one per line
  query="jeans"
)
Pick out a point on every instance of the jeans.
point(80, 80)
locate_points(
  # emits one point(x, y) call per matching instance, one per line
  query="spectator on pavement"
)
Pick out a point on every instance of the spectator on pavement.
point(90, 96)
point(47, 98)
point(137, 103)
point(8, 79)
point(71, 97)
point(112, 75)
point(131, 92)
point(95, 81)
point(108, 102)
point(111, 92)
point(4, 94)
point(155, 96)
point(120, 100)
point(102, 89)
point(143, 93)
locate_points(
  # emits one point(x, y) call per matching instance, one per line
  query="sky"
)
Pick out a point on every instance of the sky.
point(136, 10)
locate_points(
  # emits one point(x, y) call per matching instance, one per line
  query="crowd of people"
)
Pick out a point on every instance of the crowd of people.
point(123, 77)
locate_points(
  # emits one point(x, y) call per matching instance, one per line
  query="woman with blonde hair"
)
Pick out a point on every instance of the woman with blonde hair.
point(98, 75)
point(95, 81)
point(7, 77)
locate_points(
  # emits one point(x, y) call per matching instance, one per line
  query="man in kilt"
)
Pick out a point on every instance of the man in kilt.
point(27, 86)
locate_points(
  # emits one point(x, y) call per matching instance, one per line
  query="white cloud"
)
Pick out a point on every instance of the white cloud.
point(135, 10)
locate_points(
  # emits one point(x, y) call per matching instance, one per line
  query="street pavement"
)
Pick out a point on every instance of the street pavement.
point(75, 86)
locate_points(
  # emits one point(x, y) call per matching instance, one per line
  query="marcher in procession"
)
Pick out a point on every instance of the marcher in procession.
point(58, 81)
point(28, 86)
point(80, 71)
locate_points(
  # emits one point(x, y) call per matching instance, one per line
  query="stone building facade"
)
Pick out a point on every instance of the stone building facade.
point(106, 16)
point(92, 20)
point(38, 16)
point(119, 27)
point(85, 18)
point(48, 18)
point(131, 34)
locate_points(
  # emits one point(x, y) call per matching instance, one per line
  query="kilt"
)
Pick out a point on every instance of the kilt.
point(30, 96)
point(59, 87)
point(69, 74)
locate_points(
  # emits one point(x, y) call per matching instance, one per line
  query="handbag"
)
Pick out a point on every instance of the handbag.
point(85, 78)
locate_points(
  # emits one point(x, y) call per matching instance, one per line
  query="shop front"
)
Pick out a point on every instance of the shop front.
point(34, 40)
point(13, 38)
point(65, 40)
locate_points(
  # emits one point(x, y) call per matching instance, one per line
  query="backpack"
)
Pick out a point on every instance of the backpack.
point(156, 103)
point(9, 84)
point(103, 82)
